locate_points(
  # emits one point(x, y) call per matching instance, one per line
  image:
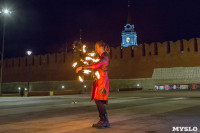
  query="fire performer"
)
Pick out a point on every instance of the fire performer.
point(100, 87)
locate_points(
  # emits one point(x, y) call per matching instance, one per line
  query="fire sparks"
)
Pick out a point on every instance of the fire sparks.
point(86, 59)
point(97, 74)
point(80, 79)
point(85, 62)
point(74, 64)
point(86, 71)
point(84, 50)
point(90, 58)
point(91, 54)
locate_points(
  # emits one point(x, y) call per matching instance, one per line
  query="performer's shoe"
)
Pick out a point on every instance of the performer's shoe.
point(105, 123)
point(97, 124)
point(101, 120)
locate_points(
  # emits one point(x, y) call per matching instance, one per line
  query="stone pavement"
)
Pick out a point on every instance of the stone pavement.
point(129, 112)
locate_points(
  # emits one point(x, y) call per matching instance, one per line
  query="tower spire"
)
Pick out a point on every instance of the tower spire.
point(129, 13)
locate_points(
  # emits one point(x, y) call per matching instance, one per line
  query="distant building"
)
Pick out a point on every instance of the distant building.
point(129, 37)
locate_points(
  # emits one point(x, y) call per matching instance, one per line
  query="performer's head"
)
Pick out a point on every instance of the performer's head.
point(101, 47)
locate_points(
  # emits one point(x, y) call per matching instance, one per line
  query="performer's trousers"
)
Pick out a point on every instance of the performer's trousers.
point(101, 107)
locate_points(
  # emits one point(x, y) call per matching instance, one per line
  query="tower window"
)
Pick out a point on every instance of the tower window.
point(128, 40)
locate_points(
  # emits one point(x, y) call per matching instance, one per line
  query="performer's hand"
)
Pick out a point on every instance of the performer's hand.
point(78, 69)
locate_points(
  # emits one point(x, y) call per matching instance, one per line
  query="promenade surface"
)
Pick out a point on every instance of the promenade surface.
point(129, 112)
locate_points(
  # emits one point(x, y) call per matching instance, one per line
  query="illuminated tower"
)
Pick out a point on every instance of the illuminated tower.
point(129, 37)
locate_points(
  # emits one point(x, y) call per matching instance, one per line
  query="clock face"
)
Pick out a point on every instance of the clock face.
point(128, 40)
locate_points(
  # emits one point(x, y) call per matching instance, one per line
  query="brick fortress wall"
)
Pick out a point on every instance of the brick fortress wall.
point(126, 63)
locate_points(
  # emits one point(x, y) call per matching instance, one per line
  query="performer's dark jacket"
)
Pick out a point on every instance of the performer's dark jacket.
point(100, 88)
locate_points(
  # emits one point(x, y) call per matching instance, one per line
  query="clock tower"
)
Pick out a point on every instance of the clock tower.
point(129, 36)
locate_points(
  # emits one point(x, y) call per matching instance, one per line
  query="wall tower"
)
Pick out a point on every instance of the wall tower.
point(129, 36)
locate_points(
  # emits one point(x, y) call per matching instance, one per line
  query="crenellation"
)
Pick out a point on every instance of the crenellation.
point(116, 52)
point(127, 52)
point(161, 49)
point(43, 59)
point(59, 58)
point(52, 59)
point(148, 50)
point(188, 45)
point(175, 47)
point(138, 50)
point(16, 62)
point(37, 60)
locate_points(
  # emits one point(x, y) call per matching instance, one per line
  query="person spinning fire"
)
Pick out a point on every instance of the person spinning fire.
point(100, 87)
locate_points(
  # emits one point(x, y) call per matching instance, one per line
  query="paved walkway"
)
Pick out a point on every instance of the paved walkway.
point(129, 112)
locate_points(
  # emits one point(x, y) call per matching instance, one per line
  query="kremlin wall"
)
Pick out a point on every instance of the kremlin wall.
point(129, 67)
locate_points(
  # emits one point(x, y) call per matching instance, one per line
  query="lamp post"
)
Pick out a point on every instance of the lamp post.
point(4, 12)
point(28, 53)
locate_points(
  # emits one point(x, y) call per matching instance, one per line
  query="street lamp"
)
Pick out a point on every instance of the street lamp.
point(28, 53)
point(4, 13)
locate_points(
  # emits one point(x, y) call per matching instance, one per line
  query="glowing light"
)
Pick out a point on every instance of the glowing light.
point(5, 11)
point(91, 54)
point(62, 86)
point(85, 62)
point(86, 71)
point(96, 60)
point(84, 46)
point(97, 74)
point(19, 88)
point(74, 64)
point(80, 79)
point(29, 52)
point(25, 89)
point(138, 85)
point(89, 58)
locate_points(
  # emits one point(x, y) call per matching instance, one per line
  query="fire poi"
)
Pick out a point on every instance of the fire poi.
point(86, 59)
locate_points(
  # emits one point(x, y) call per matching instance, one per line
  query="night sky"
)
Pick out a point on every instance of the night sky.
point(48, 26)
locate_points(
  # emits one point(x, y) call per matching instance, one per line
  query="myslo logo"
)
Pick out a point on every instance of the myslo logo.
point(184, 129)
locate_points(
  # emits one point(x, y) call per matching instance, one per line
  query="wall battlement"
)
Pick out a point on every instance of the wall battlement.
point(137, 62)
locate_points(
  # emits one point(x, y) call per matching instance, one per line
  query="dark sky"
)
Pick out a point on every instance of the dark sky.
point(46, 26)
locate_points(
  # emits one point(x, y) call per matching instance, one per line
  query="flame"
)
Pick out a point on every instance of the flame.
point(80, 79)
point(96, 60)
point(85, 62)
point(84, 46)
point(89, 58)
point(81, 60)
point(86, 71)
point(74, 64)
point(91, 54)
point(97, 74)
